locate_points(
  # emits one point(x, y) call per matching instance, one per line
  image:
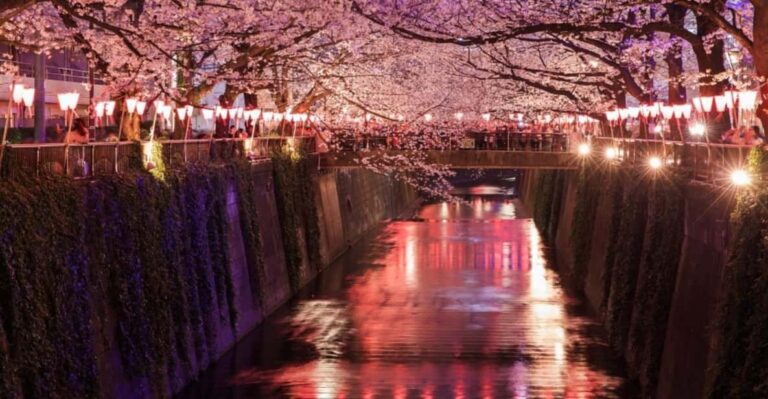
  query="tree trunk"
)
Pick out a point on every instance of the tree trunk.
point(40, 135)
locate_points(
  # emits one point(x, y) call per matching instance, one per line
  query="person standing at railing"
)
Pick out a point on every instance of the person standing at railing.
point(79, 133)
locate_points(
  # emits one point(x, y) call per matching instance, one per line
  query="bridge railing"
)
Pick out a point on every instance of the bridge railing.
point(703, 161)
point(481, 141)
point(109, 158)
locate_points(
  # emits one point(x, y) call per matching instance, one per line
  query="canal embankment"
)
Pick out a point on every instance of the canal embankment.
point(670, 267)
point(130, 286)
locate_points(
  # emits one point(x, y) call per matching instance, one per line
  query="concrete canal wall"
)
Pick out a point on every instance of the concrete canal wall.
point(670, 361)
point(156, 279)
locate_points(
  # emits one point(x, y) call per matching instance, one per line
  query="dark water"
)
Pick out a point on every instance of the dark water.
point(459, 304)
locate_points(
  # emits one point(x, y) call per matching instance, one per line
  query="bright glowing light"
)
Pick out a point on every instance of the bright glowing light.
point(657, 129)
point(140, 107)
point(428, 117)
point(486, 117)
point(698, 130)
point(17, 93)
point(611, 153)
point(28, 96)
point(740, 178)
point(748, 100)
point(130, 104)
point(655, 163)
point(459, 116)
point(584, 149)
point(109, 108)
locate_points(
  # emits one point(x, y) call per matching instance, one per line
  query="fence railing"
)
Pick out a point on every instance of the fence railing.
point(703, 161)
point(497, 141)
point(109, 158)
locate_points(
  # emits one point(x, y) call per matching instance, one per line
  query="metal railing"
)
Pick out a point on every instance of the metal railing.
point(502, 141)
point(109, 158)
point(702, 161)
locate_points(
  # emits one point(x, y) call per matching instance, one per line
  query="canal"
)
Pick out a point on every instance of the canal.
point(459, 302)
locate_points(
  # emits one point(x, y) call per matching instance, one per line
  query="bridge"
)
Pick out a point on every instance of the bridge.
point(703, 161)
point(464, 159)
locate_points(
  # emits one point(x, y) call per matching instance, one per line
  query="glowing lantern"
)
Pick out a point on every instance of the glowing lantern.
point(141, 106)
point(28, 96)
point(721, 103)
point(182, 113)
point(18, 93)
point(667, 112)
point(706, 103)
point(109, 108)
point(130, 104)
point(100, 109)
point(748, 100)
point(428, 117)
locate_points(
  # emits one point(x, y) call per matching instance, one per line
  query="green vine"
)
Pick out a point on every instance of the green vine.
point(582, 225)
point(740, 368)
point(298, 214)
point(626, 256)
point(656, 280)
point(134, 257)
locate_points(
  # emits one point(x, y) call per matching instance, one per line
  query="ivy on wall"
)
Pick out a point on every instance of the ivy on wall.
point(740, 367)
point(626, 255)
point(296, 206)
point(656, 280)
point(582, 226)
point(144, 260)
point(542, 198)
point(615, 191)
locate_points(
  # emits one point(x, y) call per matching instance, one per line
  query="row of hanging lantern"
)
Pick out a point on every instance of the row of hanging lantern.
point(740, 105)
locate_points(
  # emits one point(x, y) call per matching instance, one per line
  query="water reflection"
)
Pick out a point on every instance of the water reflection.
point(460, 304)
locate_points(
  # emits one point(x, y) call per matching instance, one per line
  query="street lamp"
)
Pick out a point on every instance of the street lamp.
point(584, 149)
point(741, 178)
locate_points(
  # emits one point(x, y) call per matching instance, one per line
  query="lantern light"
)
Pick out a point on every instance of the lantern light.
point(159, 105)
point(611, 153)
point(63, 101)
point(130, 104)
point(697, 104)
point(459, 116)
point(28, 96)
point(612, 116)
point(655, 163)
point(740, 178)
point(706, 103)
point(100, 109)
point(17, 93)
point(182, 112)
point(141, 106)
point(268, 116)
point(654, 109)
point(584, 149)
point(698, 130)
point(109, 108)
point(748, 100)
point(487, 117)
point(166, 111)
point(667, 112)
point(721, 103)
point(428, 117)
